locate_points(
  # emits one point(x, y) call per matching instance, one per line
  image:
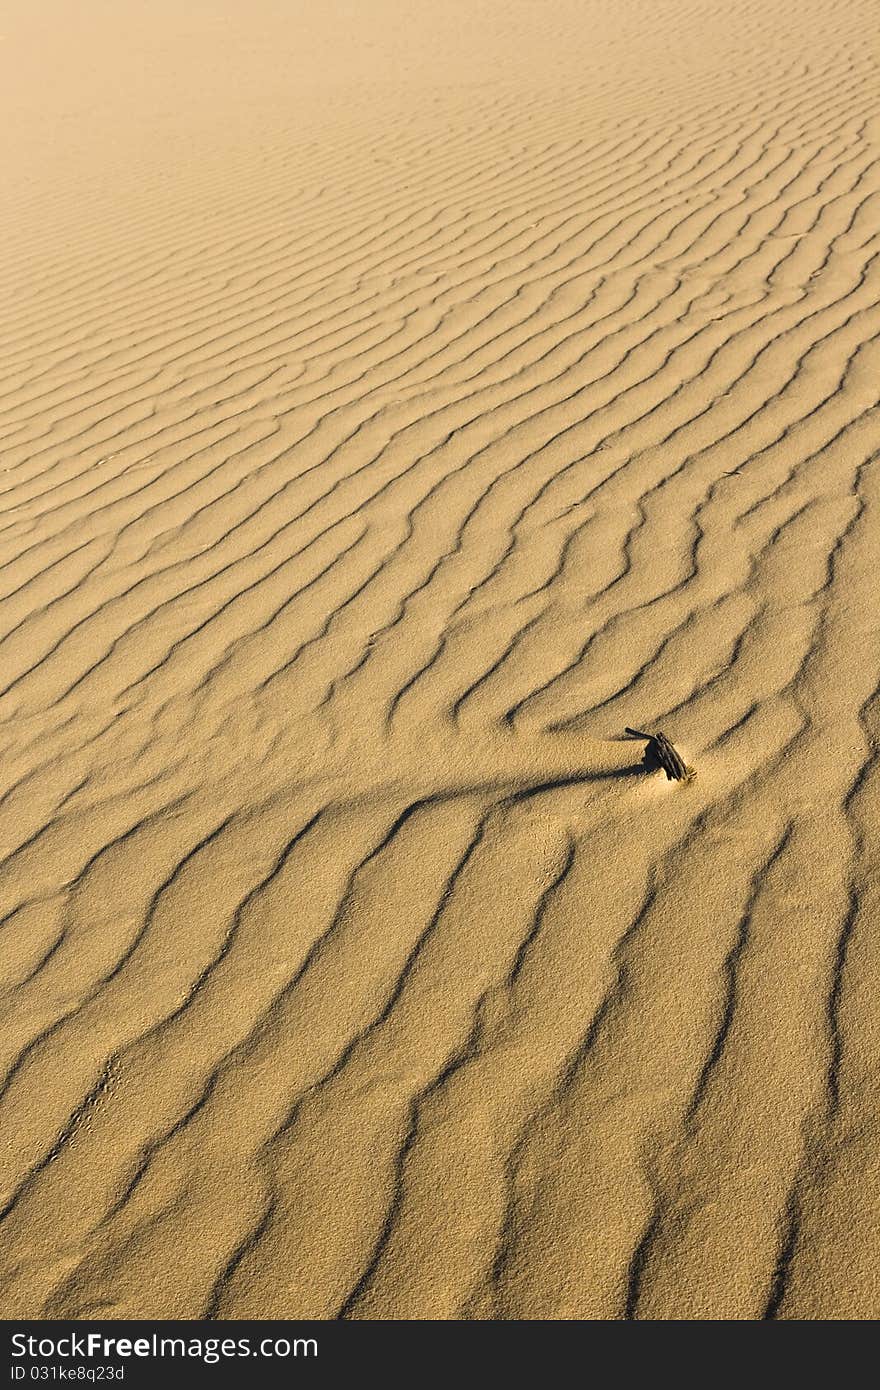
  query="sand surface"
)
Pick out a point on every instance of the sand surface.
point(398, 399)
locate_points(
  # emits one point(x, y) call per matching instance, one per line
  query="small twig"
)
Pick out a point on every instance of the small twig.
point(660, 753)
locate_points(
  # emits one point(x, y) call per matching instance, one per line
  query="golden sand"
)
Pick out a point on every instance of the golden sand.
point(399, 399)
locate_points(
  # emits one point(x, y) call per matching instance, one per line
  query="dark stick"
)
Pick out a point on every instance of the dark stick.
point(660, 753)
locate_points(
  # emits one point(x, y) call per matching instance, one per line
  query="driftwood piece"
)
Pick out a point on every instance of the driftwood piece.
point(660, 753)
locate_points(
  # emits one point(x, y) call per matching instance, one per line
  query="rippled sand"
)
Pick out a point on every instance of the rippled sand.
point(397, 401)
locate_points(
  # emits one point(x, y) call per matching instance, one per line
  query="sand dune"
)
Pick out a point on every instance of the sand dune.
point(397, 401)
